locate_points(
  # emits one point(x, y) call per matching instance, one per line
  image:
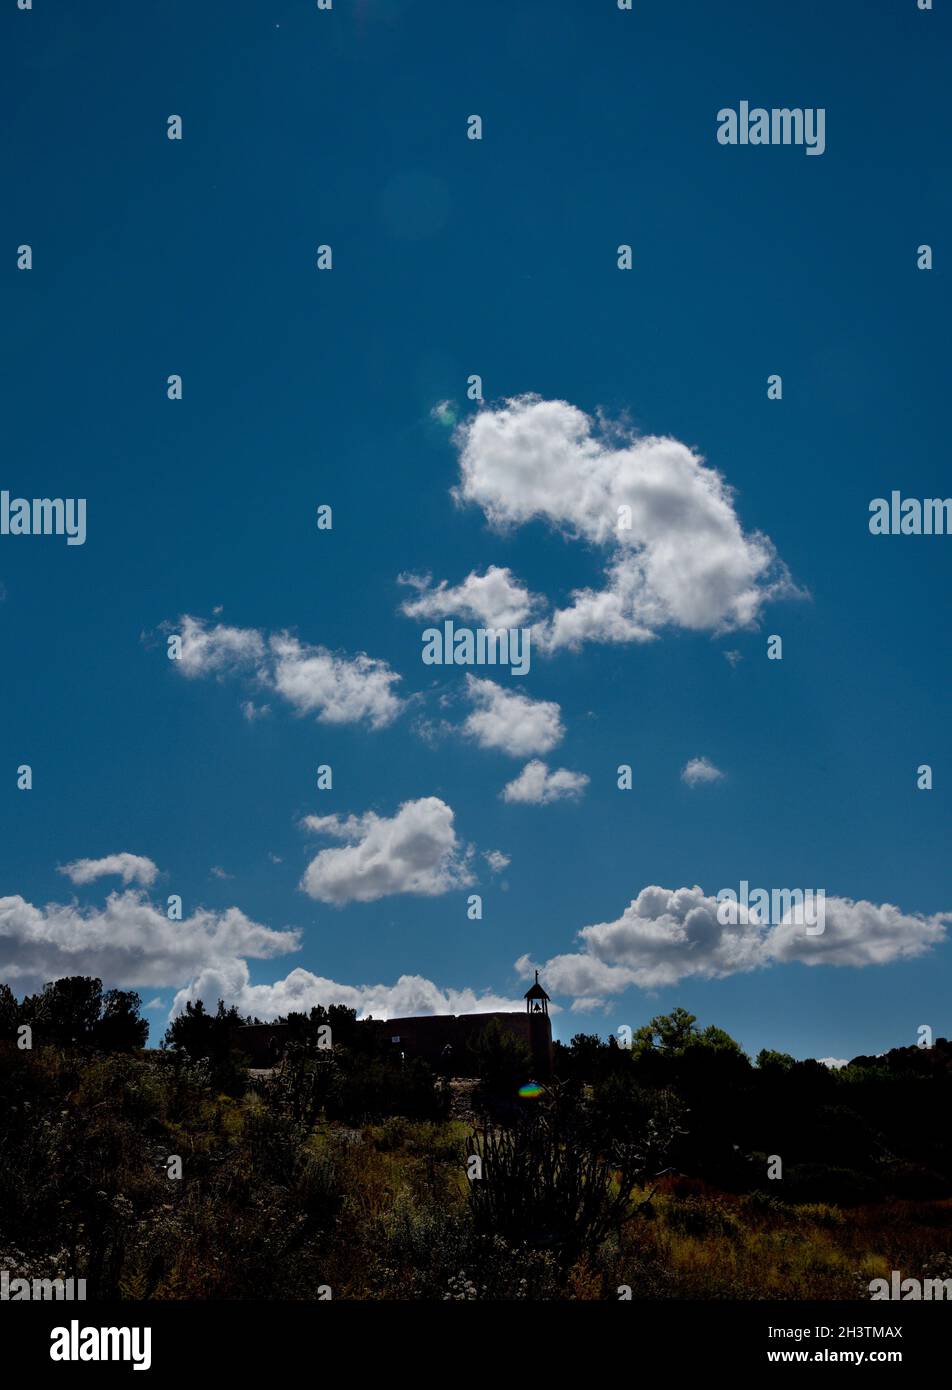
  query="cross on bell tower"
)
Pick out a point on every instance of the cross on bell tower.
point(537, 1001)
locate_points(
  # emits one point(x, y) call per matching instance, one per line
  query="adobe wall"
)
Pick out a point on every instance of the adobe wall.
point(425, 1036)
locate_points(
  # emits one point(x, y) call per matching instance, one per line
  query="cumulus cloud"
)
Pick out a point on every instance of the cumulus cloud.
point(338, 690)
point(302, 991)
point(859, 933)
point(496, 860)
point(415, 851)
point(513, 723)
point(537, 786)
point(700, 770)
point(834, 1063)
point(127, 942)
point(493, 600)
point(130, 943)
point(218, 649)
point(667, 935)
point(675, 552)
point(335, 689)
point(131, 868)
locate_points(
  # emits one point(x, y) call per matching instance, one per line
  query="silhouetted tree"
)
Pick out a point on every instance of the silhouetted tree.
point(74, 1012)
point(780, 1060)
point(9, 1012)
point(502, 1062)
point(119, 1027)
point(213, 1038)
point(202, 1035)
point(66, 1012)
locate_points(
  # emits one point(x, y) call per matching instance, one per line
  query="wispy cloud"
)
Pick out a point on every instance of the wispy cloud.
point(335, 688)
point(131, 868)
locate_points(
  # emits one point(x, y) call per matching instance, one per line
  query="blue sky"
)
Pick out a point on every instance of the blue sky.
point(303, 387)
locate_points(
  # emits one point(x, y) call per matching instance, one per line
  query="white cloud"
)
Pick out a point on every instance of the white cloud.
point(301, 990)
point(667, 935)
point(587, 1005)
point(130, 943)
point(537, 786)
point(336, 689)
point(218, 872)
point(859, 933)
point(415, 851)
point(131, 868)
point(684, 560)
point(513, 723)
point(216, 650)
point(493, 600)
point(496, 860)
point(700, 770)
point(127, 942)
point(834, 1063)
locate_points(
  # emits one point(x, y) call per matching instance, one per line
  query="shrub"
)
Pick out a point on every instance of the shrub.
point(820, 1214)
point(542, 1188)
point(700, 1216)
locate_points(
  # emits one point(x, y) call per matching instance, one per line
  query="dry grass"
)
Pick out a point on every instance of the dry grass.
point(719, 1246)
